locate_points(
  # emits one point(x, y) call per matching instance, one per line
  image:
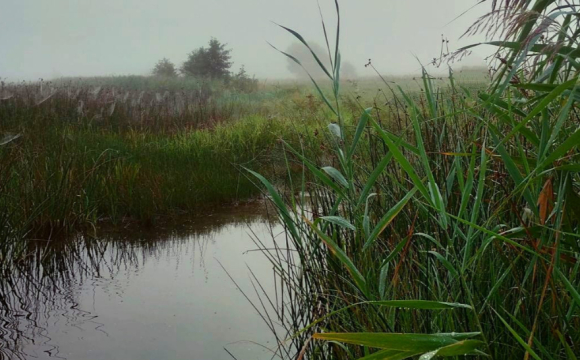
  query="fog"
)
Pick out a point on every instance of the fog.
point(48, 39)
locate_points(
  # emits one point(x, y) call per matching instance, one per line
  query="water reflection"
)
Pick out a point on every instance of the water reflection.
point(142, 293)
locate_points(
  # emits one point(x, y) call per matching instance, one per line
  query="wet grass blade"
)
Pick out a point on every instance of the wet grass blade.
point(320, 93)
point(314, 55)
point(391, 355)
point(402, 160)
point(362, 123)
point(277, 199)
point(541, 106)
point(344, 259)
point(422, 343)
point(337, 220)
point(464, 347)
point(519, 338)
point(420, 304)
point(336, 175)
point(575, 294)
point(387, 218)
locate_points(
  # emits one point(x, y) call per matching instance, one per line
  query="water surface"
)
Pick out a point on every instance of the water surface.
point(155, 294)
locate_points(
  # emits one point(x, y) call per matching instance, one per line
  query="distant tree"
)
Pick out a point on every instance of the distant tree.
point(302, 53)
point(212, 62)
point(165, 68)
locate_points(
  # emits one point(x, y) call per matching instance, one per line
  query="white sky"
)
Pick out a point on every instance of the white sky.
point(50, 38)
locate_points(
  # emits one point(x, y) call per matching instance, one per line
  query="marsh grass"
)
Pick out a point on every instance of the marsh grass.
point(454, 196)
point(76, 156)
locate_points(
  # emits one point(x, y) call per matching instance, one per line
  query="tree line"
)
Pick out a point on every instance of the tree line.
point(214, 62)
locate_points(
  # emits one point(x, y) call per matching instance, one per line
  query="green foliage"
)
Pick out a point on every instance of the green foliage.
point(211, 62)
point(164, 68)
point(475, 198)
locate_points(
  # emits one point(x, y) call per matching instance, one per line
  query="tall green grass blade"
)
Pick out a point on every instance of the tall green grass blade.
point(314, 55)
point(569, 351)
point(402, 160)
point(277, 199)
point(362, 123)
point(519, 339)
point(337, 220)
point(573, 292)
point(464, 347)
point(514, 172)
point(325, 34)
point(562, 117)
point(403, 342)
point(391, 355)
point(429, 93)
point(395, 251)
point(435, 194)
point(445, 263)
point(560, 151)
point(336, 175)
point(344, 259)
point(337, 44)
point(541, 106)
point(318, 89)
point(420, 304)
point(387, 218)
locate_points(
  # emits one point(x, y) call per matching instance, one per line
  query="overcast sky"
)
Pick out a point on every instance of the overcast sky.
point(51, 38)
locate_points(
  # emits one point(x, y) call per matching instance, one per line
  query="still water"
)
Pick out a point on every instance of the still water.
point(153, 294)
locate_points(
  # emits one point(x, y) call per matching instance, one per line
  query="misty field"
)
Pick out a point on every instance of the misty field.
point(426, 216)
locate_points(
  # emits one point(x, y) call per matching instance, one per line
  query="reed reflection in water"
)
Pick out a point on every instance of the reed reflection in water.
point(142, 294)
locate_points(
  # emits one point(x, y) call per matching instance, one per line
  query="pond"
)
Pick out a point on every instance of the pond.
point(165, 292)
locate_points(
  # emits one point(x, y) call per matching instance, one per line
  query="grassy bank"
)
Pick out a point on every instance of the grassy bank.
point(66, 176)
point(74, 155)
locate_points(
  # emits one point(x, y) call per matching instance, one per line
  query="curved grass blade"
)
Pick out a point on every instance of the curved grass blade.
point(301, 39)
point(518, 338)
point(336, 175)
point(362, 123)
point(402, 160)
point(374, 177)
point(575, 294)
point(541, 106)
point(569, 351)
point(321, 174)
point(344, 259)
point(569, 143)
point(393, 341)
point(337, 220)
point(421, 304)
point(277, 199)
point(9, 138)
point(324, 98)
point(461, 348)
point(391, 355)
point(445, 263)
point(387, 218)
